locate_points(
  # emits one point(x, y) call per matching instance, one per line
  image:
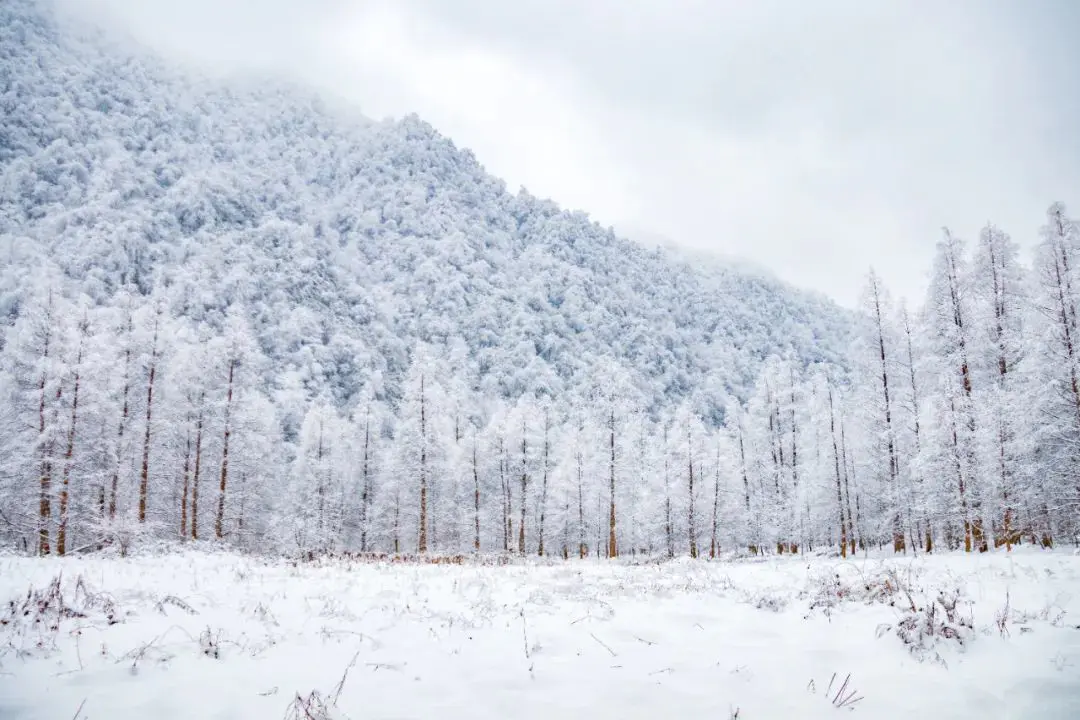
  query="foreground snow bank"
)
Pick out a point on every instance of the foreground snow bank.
point(223, 636)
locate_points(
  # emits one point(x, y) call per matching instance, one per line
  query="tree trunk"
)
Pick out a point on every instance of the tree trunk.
point(422, 544)
point(544, 486)
point(144, 476)
point(583, 548)
point(894, 479)
point(219, 526)
point(124, 413)
point(365, 492)
point(397, 523)
point(524, 489)
point(746, 489)
point(476, 497)
point(505, 500)
point(917, 478)
point(715, 505)
point(45, 477)
point(612, 548)
point(61, 534)
point(691, 528)
point(670, 537)
point(794, 463)
point(839, 488)
point(964, 516)
point(195, 474)
point(853, 527)
point(187, 480)
point(973, 529)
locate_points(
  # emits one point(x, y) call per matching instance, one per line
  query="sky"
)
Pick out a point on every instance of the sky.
point(814, 140)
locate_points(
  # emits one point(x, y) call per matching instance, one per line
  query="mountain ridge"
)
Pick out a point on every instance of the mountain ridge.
point(367, 236)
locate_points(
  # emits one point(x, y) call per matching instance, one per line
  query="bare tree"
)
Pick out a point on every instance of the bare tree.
point(69, 453)
point(144, 476)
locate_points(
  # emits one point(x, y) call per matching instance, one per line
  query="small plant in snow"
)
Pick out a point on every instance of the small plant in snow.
point(210, 643)
point(1001, 618)
point(312, 706)
point(316, 706)
point(827, 589)
point(765, 600)
point(841, 695)
point(33, 621)
point(922, 627)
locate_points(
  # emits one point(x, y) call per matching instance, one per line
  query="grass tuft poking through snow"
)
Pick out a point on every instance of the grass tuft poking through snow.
point(214, 635)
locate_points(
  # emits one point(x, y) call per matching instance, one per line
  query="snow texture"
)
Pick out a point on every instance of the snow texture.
point(224, 636)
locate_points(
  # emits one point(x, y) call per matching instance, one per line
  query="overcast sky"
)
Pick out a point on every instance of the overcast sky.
point(812, 138)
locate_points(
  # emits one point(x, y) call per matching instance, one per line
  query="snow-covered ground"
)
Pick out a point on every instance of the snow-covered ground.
point(222, 636)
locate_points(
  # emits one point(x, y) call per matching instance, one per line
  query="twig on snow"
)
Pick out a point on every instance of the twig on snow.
point(603, 645)
point(344, 675)
point(525, 635)
point(175, 602)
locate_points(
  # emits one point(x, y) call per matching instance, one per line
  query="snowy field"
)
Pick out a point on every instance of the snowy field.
point(223, 636)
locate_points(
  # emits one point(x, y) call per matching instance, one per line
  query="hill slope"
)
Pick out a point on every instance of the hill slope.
point(348, 240)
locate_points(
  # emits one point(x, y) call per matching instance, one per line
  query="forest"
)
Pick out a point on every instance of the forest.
point(954, 425)
point(240, 316)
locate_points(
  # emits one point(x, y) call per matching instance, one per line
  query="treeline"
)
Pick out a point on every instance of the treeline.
point(953, 425)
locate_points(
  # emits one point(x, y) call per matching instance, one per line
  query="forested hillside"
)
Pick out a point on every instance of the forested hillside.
point(235, 315)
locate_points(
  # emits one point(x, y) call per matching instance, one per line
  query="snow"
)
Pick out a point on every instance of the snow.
point(212, 635)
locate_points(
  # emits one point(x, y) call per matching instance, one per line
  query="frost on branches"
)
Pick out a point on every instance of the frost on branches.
point(234, 317)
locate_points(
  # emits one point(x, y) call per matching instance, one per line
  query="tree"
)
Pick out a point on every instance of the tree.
point(545, 470)
point(998, 302)
point(144, 476)
point(69, 453)
point(949, 312)
point(1054, 371)
point(237, 349)
point(875, 406)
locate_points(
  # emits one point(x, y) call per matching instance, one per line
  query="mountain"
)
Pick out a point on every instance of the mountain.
point(348, 241)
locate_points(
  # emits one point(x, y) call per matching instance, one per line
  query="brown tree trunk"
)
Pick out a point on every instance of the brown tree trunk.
point(715, 506)
point(794, 461)
point(668, 530)
point(422, 544)
point(219, 526)
point(524, 489)
point(960, 477)
point(897, 525)
point(144, 476)
point(853, 526)
point(612, 548)
point(397, 523)
point(583, 547)
point(124, 413)
point(45, 477)
point(839, 488)
point(320, 492)
point(195, 474)
point(746, 488)
point(61, 534)
point(187, 480)
point(544, 487)
point(691, 528)
point(505, 486)
point(365, 492)
point(476, 497)
point(929, 538)
point(973, 522)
